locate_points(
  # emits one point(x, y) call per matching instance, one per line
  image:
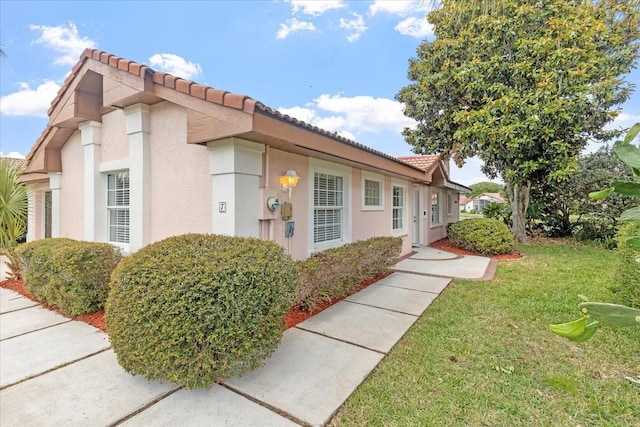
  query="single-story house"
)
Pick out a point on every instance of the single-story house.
point(131, 156)
point(479, 202)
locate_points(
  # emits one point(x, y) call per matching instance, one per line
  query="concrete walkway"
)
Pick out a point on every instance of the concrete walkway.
point(54, 371)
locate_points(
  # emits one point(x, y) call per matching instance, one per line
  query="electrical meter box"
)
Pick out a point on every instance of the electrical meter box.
point(287, 211)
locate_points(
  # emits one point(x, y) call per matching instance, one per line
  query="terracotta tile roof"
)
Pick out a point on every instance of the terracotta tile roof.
point(217, 96)
point(17, 163)
point(426, 162)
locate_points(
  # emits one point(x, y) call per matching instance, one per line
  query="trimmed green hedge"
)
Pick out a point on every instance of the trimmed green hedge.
point(483, 235)
point(334, 272)
point(628, 270)
point(70, 274)
point(197, 308)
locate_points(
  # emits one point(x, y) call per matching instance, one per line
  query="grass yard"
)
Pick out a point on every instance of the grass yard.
point(482, 353)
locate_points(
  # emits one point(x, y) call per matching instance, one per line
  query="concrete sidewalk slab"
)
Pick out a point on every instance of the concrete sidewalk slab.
point(392, 298)
point(37, 352)
point(416, 282)
point(95, 391)
point(432, 253)
point(11, 301)
point(468, 267)
point(215, 406)
point(370, 327)
point(28, 320)
point(309, 376)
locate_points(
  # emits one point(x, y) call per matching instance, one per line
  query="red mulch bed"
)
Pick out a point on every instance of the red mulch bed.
point(295, 315)
point(445, 245)
point(93, 319)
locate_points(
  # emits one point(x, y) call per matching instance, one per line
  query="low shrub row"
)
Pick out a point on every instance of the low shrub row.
point(334, 272)
point(69, 274)
point(628, 269)
point(483, 235)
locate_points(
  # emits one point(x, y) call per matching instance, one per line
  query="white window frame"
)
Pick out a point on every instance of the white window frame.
point(345, 172)
point(404, 209)
point(449, 203)
point(114, 208)
point(437, 221)
point(370, 176)
point(47, 214)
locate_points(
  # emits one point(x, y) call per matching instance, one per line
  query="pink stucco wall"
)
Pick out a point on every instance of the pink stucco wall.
point(277, 164)
point(115, 144)
point(72, 189)
point(180, 179)
point(364, 224)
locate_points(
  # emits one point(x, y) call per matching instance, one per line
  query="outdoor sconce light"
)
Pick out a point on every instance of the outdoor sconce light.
point(288, 181)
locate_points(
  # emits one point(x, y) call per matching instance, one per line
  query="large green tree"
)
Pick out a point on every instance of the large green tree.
point(522, 84)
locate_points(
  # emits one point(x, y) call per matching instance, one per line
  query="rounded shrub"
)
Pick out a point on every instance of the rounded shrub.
point(483, 235)
point(69, 274)
point(197, 308)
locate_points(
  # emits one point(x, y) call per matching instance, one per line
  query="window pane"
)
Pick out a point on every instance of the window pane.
point(435, 208)
point(119, 225)
point(397, 212)
point(371, 193)
point(327, 215)
point(118, 206)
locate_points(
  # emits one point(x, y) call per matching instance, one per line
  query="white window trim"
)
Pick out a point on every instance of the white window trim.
point(450, 203)
point(405, 208)
point(321, 166)
point(123, 246)
point(440, 221)
point(370, 176)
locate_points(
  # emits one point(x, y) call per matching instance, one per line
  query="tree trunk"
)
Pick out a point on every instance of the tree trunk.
point(519, 200)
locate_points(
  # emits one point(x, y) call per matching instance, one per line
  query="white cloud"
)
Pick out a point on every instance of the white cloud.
point(315, 7)
point(65, 40)
point(293, 26)
point(349, 116)
point(13, 155)
point(415, 27)
point(365, 113)
point(307, 115)
point(176, 65)
point(400, 7)
point(625, 120)
point(355, 26)
point(29, 102)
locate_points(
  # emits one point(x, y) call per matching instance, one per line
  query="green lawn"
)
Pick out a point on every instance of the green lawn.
point(482, 353)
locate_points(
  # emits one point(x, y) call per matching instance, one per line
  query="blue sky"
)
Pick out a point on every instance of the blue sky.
point(334, 64)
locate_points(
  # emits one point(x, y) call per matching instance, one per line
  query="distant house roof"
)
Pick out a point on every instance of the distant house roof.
point(426, 162)
point(493, 196)
point(18, 163)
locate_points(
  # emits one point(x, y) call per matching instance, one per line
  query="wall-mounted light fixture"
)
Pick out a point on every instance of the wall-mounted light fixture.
point(288, 181)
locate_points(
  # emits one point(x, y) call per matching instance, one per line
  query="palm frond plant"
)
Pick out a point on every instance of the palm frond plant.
point(14, 207)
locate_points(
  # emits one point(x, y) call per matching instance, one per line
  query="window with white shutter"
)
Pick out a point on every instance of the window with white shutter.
point(118, 207)
point(328, 205)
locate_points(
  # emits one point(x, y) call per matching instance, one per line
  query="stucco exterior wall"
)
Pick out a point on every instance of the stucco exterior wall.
point(370, 223)
point(363, 223)
point(180, 180)
point(72, 188)
point(115, 144)
point(277, 164)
